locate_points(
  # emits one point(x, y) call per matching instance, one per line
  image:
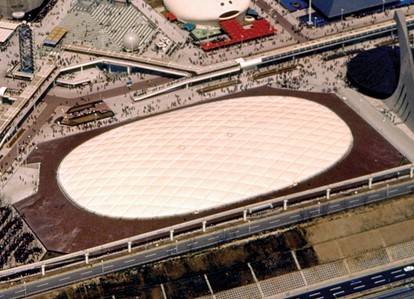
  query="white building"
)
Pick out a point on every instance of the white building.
point(204, 157)
point(207, 12)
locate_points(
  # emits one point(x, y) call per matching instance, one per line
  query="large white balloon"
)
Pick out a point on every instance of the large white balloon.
point(206, 11)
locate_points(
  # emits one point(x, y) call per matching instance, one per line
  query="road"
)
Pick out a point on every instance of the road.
point(359, 284)
point(208, 240)
point(405, 291)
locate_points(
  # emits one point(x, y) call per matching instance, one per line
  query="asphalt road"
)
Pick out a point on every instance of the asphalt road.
point(358, 285)
point(406, 291)
point(218, 237)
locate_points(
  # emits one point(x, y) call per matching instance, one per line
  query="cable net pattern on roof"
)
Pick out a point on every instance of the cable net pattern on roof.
point(203, 157)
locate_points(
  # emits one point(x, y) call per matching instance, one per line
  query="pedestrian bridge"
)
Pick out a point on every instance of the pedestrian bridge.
point(129, 65)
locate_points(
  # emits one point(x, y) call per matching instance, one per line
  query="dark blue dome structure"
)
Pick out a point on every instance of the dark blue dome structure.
point(375, 72)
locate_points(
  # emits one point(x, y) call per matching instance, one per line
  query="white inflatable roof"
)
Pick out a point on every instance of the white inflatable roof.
point(204, 10)
point(203, 157)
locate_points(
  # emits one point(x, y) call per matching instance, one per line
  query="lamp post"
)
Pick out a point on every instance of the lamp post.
point(241, 44)
point(383, 6)
point(309, 13)
point(2, 187)
point(342, 14)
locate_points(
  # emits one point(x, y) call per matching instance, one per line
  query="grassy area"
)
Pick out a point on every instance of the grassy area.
point(363, 230)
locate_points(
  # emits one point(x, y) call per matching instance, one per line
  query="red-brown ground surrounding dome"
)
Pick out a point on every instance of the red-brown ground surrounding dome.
point(63, 227)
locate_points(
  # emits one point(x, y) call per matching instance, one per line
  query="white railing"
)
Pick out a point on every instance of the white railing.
point(112, 61)
point(222, 217)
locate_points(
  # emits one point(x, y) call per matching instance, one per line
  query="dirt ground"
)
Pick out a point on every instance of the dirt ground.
point(183, 277)
point(370, 228)
point(392, 234)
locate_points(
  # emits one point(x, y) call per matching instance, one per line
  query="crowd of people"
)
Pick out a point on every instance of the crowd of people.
point(17, 245)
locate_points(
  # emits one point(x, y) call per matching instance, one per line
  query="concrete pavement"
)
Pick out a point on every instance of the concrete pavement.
point(393, 134)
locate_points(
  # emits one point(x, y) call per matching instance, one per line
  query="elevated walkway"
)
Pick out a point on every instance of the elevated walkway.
point(127, 64)
point(26, 100)
point(149, 62)
point(185, 82)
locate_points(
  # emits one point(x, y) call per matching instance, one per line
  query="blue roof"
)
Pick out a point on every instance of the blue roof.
point(333, 8)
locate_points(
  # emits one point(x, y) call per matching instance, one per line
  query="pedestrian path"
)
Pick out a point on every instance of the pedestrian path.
point(117, 20)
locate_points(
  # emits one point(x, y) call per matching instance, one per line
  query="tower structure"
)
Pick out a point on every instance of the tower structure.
point(402, 100)
point(26, 48)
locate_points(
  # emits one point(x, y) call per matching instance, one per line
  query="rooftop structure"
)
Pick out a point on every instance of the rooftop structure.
point(6, 30)
point(201, 12)
point(237, 34)
point(204, 157)
point(338, 8)
point(55, 36)
point(131, 41)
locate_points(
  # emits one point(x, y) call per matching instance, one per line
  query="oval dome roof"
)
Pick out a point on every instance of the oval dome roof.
point(203, 157)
